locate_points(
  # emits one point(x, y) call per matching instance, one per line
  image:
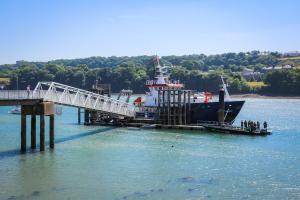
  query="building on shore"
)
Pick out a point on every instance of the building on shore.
point(291, 54)
point(278, 67)
point(251, 75)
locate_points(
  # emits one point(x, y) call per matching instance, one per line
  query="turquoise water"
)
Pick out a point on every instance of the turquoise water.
point(119, 163)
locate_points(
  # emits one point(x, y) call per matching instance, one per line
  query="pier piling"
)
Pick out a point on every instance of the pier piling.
point(42, 109)
point(79, 116)
point(221, 107)
point(86, 117)
point(33, 131)
point(23, 133)
point(42, 133)
point(189, 107)
point(174, 106)
point(51, 134)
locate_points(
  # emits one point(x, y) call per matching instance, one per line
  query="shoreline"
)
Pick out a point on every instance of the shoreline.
point(243, 96)
point(258, 96)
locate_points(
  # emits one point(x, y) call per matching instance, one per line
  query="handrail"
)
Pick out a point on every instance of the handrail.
point(71, 96)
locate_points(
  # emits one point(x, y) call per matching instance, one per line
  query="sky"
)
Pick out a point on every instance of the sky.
point(43, 30)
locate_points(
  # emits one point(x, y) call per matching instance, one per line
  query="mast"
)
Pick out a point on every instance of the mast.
point(224, 85)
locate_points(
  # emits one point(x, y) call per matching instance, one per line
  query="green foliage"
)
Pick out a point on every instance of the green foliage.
point(197, 72)
point(283, 82)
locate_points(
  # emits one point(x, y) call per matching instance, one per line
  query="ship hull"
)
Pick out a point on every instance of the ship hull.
point(208, 112)
point(203, 112)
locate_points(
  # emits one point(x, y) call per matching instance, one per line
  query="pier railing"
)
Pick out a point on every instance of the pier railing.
point(15, 94)
point(71, 96)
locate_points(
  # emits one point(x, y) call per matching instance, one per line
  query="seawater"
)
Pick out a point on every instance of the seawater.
point(91, 162)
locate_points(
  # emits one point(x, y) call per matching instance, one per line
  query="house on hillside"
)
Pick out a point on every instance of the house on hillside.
point(251, 75)
point(291, 54)
point(278, 67)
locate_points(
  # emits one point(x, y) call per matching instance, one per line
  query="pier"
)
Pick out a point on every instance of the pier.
point(41, 101)
point(173, 110)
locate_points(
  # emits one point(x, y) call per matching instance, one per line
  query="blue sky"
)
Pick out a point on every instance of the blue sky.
point(42, 30)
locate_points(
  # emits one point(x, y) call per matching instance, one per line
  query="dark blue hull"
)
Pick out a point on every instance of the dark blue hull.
point(204, 112)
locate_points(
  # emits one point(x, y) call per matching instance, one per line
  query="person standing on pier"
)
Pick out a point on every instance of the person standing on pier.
point(258, 125)
point(28, 91)
point(242, 124)
point(265, 125)
point(245, 124)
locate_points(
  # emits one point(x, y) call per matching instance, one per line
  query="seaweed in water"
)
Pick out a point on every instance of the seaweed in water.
point(16, 198)
point(190, 189)
point(139, 194)
point(189, 179)
point(32, 194)
point(35, 193)
point(58, 189)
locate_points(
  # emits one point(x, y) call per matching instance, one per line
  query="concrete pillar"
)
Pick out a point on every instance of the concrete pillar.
point(33, 131)
point(51, 131)
point(93, 116)
point(189, 107)
point(179, 107)
point(23, 133)
point(184, 104)
point(158, 103)
point(79, 116)
point(221, 107)
point(163, 118)
point(42, 133)
point(174, 107)
point(169, 106)
point(86, 117)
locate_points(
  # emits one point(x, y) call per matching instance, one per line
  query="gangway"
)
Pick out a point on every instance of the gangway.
point(70, 96)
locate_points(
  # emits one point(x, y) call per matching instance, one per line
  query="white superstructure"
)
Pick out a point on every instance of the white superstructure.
point(162, 82)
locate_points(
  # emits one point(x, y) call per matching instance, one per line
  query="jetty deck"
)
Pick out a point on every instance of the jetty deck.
point(41, 102)
point(210, 128)
point(236, 130)
point(13, 102)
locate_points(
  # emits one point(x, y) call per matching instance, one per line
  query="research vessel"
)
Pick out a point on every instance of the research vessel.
point(203, 107)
